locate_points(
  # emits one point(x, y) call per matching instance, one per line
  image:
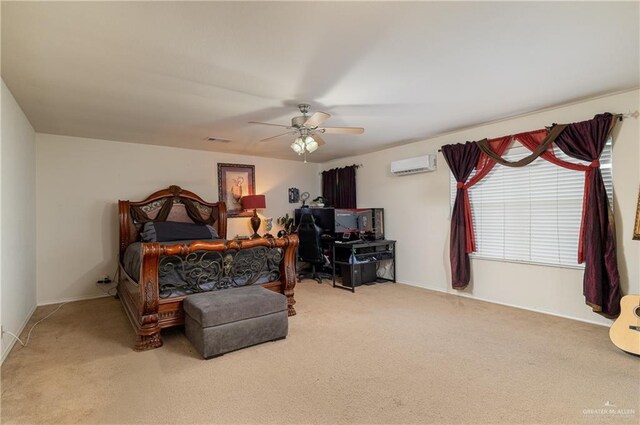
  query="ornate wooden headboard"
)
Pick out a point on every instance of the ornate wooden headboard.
point(183, 205)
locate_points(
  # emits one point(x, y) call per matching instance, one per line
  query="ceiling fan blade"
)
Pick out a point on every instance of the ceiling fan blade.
point(268, 123)
point(342, 130)
point(279, 135)
point(319, 139)
point(316, 119)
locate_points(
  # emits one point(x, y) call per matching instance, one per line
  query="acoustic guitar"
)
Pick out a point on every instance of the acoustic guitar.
point(625, 331)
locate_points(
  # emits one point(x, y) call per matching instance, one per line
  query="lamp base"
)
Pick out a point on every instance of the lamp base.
point(255, 225)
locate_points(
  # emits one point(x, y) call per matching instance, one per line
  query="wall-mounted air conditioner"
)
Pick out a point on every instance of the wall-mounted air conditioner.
point(419, 164)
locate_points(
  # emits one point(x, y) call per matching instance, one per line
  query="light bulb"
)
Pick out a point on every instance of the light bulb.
point(310, 144)
point(298, 145)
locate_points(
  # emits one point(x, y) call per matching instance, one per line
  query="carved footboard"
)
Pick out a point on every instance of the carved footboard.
point(202, 266)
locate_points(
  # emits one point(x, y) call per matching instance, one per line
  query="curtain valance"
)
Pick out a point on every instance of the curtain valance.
point(541, 147)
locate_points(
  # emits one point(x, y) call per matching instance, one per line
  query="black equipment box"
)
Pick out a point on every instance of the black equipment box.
point(363, 273)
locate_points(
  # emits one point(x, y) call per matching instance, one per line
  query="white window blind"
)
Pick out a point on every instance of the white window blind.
point(531, 214)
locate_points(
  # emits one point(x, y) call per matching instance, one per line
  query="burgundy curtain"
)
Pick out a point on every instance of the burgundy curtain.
point(462, 159)
point(339, 187)
point(346, 187)
point(462, 235)
point(329, 183)
point(601, 285)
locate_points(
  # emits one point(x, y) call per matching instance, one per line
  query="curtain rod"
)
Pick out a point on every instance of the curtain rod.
point(635, 114)
point(353, 165)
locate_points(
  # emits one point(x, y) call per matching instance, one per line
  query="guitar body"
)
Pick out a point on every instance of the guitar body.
point(625, 331)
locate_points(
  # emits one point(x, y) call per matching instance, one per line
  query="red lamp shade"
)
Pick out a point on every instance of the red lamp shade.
point(252, 202)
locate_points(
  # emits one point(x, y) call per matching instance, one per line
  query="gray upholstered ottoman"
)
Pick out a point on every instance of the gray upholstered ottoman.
point(217, 322)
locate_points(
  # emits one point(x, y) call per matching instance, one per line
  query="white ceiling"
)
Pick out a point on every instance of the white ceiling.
point(175, 73)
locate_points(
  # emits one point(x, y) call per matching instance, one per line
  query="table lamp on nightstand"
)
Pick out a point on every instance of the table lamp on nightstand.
point(254, 202)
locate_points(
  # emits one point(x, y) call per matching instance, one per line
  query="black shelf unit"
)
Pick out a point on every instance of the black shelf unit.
point(356, 260)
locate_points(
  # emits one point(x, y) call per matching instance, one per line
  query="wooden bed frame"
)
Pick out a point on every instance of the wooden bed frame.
point(140, 298)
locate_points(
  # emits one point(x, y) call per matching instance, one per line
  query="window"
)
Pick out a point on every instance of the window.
point(531, 214)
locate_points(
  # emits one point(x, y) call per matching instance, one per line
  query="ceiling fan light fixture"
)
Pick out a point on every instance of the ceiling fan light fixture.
point(307, 130)
point(310, 144)
point(298, 145)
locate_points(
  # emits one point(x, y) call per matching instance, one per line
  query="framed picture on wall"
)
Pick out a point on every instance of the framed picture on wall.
point(636, 229)
point(294, 195)
point(234, 182)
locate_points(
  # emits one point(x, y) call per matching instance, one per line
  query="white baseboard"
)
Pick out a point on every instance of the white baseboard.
point(6, 352)
point(72, 299)
point(535, 310)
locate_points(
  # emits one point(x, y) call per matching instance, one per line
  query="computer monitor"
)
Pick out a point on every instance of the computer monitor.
point(323, 217)
point(346, 223)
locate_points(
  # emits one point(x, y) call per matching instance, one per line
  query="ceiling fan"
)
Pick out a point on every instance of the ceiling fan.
point(308, 130)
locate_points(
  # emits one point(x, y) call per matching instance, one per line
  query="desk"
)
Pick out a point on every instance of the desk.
point(357, 258)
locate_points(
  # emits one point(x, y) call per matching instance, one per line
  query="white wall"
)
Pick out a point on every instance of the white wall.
point(417, 215)
point(17, 223)
point(79, 182)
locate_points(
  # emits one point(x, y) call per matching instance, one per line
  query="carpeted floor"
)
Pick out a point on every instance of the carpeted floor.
point(388, 354)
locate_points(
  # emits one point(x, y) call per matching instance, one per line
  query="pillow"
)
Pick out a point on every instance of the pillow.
point(164, 231)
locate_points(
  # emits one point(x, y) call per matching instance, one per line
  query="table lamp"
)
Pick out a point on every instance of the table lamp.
point(253, 202)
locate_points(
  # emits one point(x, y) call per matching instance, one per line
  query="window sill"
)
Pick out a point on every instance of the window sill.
point(531, 263)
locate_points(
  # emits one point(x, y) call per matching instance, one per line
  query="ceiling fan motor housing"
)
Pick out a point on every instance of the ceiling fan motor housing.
point(298, 122)
point(304, 108)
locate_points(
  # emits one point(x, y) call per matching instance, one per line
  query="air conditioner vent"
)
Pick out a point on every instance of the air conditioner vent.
point(419, 164)
point(218, 139)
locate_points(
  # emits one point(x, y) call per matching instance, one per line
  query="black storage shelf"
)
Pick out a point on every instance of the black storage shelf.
point(369, 253)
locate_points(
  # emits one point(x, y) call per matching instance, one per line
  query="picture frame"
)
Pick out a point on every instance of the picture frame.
point(294, 195)
point(234, 182)
point(636, 229)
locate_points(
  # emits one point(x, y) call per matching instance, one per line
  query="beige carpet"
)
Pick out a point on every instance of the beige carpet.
point(386, 354)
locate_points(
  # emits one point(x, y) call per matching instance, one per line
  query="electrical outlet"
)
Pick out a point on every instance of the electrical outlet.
point(104, 279)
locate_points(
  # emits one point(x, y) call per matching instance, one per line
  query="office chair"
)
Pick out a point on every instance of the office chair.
point(310, 248)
